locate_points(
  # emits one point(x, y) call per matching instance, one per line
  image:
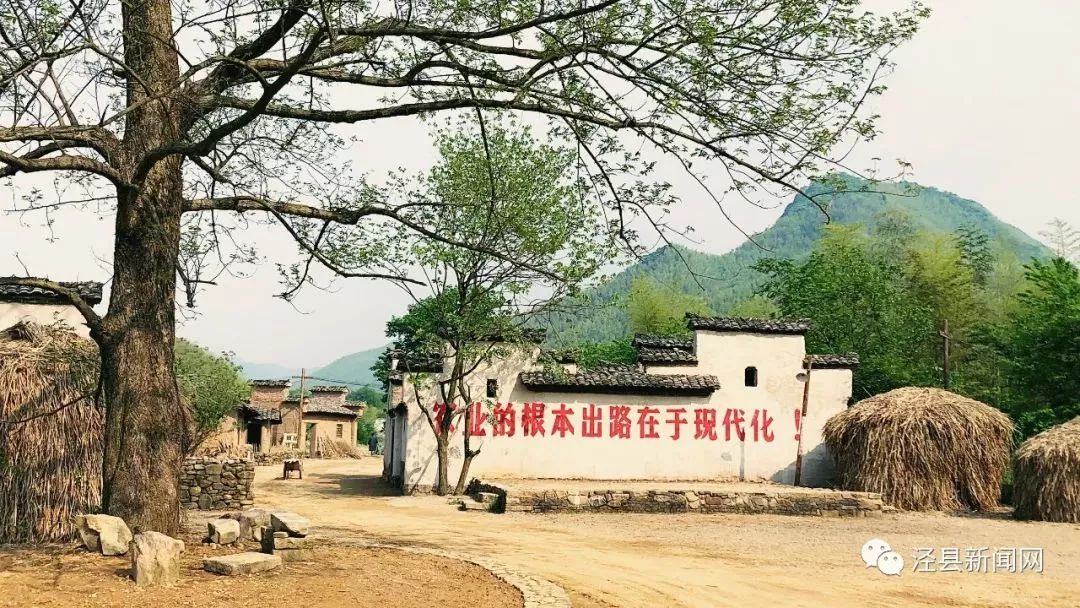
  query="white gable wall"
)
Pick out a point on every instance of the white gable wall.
point(768, 454)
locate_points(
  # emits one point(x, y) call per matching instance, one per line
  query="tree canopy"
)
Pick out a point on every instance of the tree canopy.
point(183, 118)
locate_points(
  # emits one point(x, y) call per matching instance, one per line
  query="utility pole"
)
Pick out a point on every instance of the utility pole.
point(301, 436)
point(802, 421)
point(945, 337)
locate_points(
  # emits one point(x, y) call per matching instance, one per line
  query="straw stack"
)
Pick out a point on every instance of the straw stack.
point(1046, 478)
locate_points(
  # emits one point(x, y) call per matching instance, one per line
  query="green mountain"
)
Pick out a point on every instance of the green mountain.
point(353, 370)
point(727, 279)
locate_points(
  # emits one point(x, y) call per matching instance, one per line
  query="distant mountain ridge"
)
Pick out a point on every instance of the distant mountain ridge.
point(727, 279)
point(353, 370)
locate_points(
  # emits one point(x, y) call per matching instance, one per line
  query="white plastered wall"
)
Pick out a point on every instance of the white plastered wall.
point(778, 395)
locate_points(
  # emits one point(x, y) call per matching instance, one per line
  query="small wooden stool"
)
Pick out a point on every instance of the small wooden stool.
point(292, 465)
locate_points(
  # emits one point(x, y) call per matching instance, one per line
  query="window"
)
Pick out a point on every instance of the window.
point(492, 388)
point(750, 376)
point(340, 431)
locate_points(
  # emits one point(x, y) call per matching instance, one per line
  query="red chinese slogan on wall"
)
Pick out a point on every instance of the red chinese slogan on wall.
point(618, 422)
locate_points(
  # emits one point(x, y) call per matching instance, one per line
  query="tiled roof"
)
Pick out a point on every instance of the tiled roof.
point(336, 388)
point(262, 413)
point(665, 342)
point(328, 408)
point(666, 355)
point(87, 290)
point(833, 360)
point(620, 380)
point(755, 326)
point(271, 383)
point(420, 362)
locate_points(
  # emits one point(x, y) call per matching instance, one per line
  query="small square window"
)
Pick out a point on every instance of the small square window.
point(340, 431)
point(492, 388)
point(750, 376)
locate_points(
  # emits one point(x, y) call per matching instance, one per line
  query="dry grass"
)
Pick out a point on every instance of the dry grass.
point(338, 449)
point(923, 449)
point(1046, 477)
point(50, 434)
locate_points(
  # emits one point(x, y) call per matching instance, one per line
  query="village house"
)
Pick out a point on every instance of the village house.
point(726, 403)
point(270, 421)
point(19, 303)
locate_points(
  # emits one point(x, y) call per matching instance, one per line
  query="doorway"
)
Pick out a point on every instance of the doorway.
point(254, 436)
point(309, 439)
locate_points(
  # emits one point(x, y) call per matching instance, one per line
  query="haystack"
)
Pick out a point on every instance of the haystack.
point(50, 436)
point(1046, 477)
point(922, 449)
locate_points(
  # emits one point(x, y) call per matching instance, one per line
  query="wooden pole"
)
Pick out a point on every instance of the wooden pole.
point(945, 336)
point(802, 422)
point(301, 436)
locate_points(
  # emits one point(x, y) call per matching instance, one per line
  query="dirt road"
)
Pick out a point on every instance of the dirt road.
point(695, 560)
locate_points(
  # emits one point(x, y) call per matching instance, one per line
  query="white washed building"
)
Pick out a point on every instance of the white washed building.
point(724, 404)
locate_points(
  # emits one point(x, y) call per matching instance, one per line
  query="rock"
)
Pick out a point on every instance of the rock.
point(223, 531)
point(291, 543)
point(285, 521)
point(251, 523)
point(155, 559)
point(294, 555)
point(104, 533)
point(241, 563)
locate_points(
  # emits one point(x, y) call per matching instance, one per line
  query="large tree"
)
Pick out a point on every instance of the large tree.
point(174, 114)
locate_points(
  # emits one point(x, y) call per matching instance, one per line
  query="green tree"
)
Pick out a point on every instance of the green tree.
point(1040, 343)
point(178, 115)
point(854, 302)
point(211, 386)
point(756, 306)
point(532, 234)
point(657, 309)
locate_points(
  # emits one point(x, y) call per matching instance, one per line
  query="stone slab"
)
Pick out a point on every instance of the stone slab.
point(287, 521)
point(241, 563)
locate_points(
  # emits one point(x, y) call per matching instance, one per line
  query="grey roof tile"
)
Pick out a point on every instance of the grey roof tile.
point(87, 290)
point(755, 326)
point(620, 380)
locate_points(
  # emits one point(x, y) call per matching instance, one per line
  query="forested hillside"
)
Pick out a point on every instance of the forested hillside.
point(724, 281)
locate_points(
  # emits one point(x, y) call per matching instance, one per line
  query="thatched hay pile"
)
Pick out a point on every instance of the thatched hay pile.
point(922, 449)
point(336, 448)
point(50, 437)
point(1046, 477)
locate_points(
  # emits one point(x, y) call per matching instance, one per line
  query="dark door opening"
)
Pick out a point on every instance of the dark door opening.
point(254, 435)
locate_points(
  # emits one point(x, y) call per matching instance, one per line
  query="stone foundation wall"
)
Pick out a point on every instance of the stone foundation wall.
point(828, 503)
point(208, 483)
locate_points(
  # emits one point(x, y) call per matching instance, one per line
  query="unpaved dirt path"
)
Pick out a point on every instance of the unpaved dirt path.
point(693, 560)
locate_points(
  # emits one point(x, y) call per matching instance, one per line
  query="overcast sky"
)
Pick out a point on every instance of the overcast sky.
point(982, 103)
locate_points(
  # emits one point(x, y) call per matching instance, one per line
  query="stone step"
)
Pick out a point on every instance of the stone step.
point(488, 498)
point(241, 563)
point(472, 505)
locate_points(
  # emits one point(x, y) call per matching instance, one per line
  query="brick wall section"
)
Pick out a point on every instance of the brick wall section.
point(209, 483)
point(826, 503)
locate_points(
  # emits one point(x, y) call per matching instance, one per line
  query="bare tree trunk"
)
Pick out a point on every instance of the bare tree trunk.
point(145, 422)
point(442, 486)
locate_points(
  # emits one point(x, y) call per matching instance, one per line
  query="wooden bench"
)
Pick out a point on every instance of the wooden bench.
point(292, 465)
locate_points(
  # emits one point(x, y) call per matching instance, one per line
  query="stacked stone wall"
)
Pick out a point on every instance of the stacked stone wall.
point(824, 503)
point(209, 483)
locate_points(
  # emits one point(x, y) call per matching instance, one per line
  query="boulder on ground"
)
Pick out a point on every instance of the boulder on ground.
point(285, 521)
point(223, 531)
point(241, 563)
point(104, 533)
point(155, 559)
point(252, 522)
